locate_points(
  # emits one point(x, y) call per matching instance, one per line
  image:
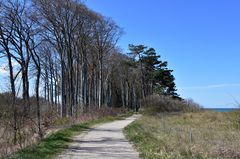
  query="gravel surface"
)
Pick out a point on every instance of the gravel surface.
point(104, 141)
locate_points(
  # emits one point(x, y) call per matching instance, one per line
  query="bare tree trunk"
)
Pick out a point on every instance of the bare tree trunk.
point(95, 88)
point(51, 83)
point(76, 89)
point(109, 94)
point(64, 108)
point(13, 96)
point(134, 98)
point(122, 94)
point(81, 88)
point(38, 103)
point(127, 94)
point(45, 82)
point(85, 82)
point(100, 84)
point(90, 93)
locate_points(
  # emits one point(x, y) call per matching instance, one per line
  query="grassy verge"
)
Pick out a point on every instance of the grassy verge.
point(186, 136)
point(51, 146)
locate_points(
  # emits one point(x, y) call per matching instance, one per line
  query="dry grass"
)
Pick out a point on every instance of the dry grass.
point(187, 135)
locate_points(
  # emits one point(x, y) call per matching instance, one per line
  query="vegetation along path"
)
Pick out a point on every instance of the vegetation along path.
point(102, 142)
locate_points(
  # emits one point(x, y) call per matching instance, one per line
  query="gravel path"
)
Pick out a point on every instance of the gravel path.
point(105, 141)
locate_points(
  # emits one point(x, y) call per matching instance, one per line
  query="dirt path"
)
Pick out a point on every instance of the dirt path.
point(105, 141)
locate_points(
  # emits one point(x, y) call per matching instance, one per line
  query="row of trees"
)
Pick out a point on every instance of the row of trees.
point(68, 53)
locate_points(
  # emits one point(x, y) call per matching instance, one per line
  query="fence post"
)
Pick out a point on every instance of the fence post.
point(190, 137)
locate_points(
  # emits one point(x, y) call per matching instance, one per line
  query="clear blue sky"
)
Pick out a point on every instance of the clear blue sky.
point(199, 38)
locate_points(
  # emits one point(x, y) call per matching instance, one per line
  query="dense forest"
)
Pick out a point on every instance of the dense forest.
point(69, 55)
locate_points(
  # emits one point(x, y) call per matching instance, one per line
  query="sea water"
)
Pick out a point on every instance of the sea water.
point(223, 109)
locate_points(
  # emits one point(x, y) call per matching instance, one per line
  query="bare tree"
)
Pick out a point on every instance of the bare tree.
point(106, 35)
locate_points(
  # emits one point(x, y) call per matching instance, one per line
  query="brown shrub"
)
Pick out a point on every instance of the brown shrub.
point(159, 103)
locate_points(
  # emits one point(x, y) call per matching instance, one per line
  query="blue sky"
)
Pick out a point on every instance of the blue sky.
point(199, 38)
